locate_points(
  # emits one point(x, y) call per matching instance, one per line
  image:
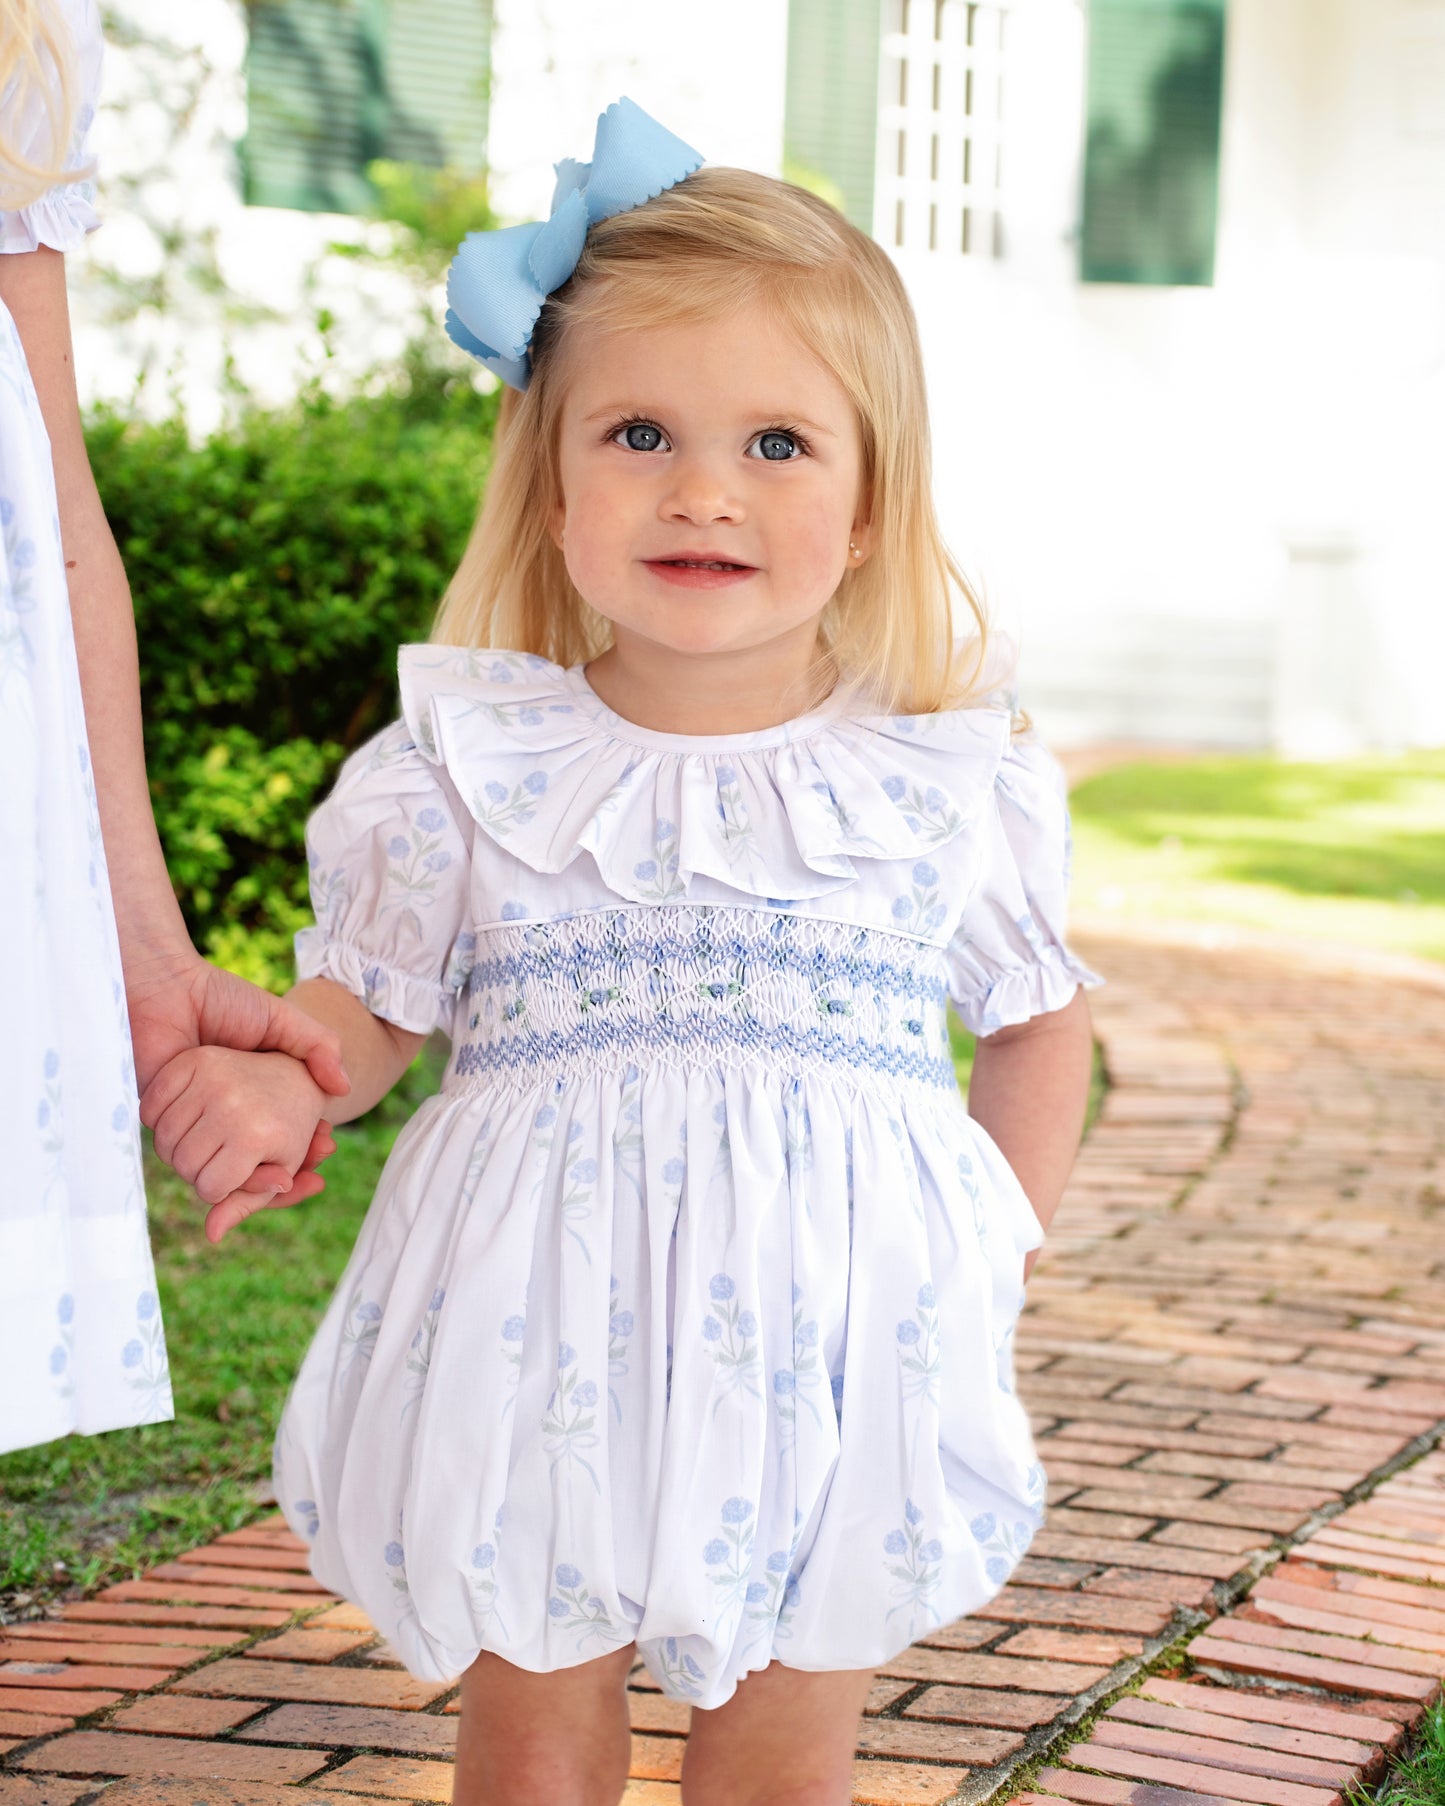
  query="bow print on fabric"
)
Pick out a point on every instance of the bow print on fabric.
point(499, 280)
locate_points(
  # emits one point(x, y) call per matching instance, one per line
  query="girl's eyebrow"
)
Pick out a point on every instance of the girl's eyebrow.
point(803, 424)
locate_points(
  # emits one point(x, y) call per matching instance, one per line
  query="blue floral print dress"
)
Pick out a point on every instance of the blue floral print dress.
point(682, 1314)
point(81, 1345)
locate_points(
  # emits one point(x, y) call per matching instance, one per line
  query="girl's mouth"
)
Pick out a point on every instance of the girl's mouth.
point(700, 573)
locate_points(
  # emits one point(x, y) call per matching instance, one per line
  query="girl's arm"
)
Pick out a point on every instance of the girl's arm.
point(376, 1052)
point(1029, 1091)
point(175, 998)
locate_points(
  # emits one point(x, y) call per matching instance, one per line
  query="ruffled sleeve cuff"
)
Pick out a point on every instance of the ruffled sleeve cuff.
point(401, 997)
point(1025, 991)
point(60, 220)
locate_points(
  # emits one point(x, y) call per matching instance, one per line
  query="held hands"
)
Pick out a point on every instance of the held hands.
point(228, 1120)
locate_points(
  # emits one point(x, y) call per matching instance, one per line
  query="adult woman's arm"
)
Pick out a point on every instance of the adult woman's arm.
point(176, 999)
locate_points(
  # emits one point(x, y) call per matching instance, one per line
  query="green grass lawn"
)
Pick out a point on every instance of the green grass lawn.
point(1349, 852)
point(1420, 1779)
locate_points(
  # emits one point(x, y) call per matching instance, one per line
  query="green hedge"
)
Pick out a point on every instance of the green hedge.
point(276, 567)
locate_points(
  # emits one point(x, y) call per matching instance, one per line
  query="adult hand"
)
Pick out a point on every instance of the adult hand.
point(191, 1003)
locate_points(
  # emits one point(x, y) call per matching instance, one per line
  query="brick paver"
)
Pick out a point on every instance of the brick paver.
point(1231, 1345)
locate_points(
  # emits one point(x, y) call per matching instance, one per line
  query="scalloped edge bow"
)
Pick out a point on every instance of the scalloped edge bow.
point(498, 280)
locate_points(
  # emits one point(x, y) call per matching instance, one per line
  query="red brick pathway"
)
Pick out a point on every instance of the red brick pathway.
point(1234, 1351)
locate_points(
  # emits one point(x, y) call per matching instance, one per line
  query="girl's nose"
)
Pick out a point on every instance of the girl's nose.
point(700, 493)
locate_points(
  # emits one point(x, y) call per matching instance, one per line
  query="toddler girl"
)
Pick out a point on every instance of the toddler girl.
point(680, 1324)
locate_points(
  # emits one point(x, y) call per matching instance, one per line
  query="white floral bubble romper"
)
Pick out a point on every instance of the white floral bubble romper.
point(682, 1314)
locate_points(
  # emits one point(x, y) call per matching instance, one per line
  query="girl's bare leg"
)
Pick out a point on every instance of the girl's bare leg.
point(558, 1739)
point(785, 1738)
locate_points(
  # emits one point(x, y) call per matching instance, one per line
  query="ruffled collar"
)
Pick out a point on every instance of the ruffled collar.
point(785, 813)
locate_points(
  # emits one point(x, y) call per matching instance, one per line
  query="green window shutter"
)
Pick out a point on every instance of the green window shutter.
point(831, 122)
point(333, 84)
point(1151, 159)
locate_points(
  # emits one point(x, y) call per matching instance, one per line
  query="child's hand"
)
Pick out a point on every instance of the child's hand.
point(227, 1120)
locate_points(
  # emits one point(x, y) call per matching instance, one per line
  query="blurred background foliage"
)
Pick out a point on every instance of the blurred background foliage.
point(276, 566)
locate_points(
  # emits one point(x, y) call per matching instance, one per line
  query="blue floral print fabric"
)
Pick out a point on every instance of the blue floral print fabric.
point(682, 1316)
point(81, 1342)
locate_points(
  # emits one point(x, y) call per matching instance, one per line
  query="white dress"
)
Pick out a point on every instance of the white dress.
point(81, 1344)
point(683, 1312)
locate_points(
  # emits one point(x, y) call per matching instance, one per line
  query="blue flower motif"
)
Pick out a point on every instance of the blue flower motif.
point(711, 1329)
point(894, 788)
point(131, 1354)
point(484, 1555)
point(807, 1335)
point(747, 1323)
point(585, 1393)
point(784, 1381)
point(757, 1591)
point(436, 1298)
point(982, 1527)
point(535, 782)
point(530, 717)
point(566, 1355)
point(119, 1117)
point(997, 1569)
point(558, 1608)
point(716, 1550)
point(513, 911)
point(665, 828)
point(393, 1555)
point(726, 775)
point(835, 1383)
point(902, 909)
point(932, 1550)
point(567, 1575)
point(934, 797)
point(432, 820)
point(584, 1171)
point(646, 869)
point(907, 1332)
point(924, 873)
point(58, 1358)
point(398, 846)
point(778, 1561)
point(674, 1171)
point(895, 1543)
point(52, 1062)
point(545, 1117)
point(42, 1114)
point(721, 1287)
point(621, 1324)
point(925, 1297)
point(437, 862)
point(911, 1511)
point(496, 793)
point(369, 1312)
point(65, 1310)
point(736, 1510)
point(145, 1306)
point(23, 555)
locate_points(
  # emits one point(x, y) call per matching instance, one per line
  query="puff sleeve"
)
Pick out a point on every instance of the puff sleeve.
point(61, 217)
point(389, 853)
point(1008, 960)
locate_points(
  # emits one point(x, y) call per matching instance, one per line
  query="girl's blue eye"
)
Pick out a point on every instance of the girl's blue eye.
point(777, 448)
point(642, 436)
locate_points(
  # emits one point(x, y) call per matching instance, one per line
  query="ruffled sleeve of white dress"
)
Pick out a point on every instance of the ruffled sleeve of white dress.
point(1008, 959)
point(389, 853)
point(81, 1344)
point(60, 218)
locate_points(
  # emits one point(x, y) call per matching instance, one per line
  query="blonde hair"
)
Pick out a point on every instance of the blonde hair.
point(35, 65)
point(721, 239)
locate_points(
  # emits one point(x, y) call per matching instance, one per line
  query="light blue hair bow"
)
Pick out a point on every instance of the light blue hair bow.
point(498, 280)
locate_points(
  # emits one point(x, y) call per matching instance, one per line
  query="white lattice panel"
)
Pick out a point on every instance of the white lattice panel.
point(940, 127)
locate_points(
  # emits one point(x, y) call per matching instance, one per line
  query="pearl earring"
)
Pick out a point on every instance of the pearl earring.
point(854, 550)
